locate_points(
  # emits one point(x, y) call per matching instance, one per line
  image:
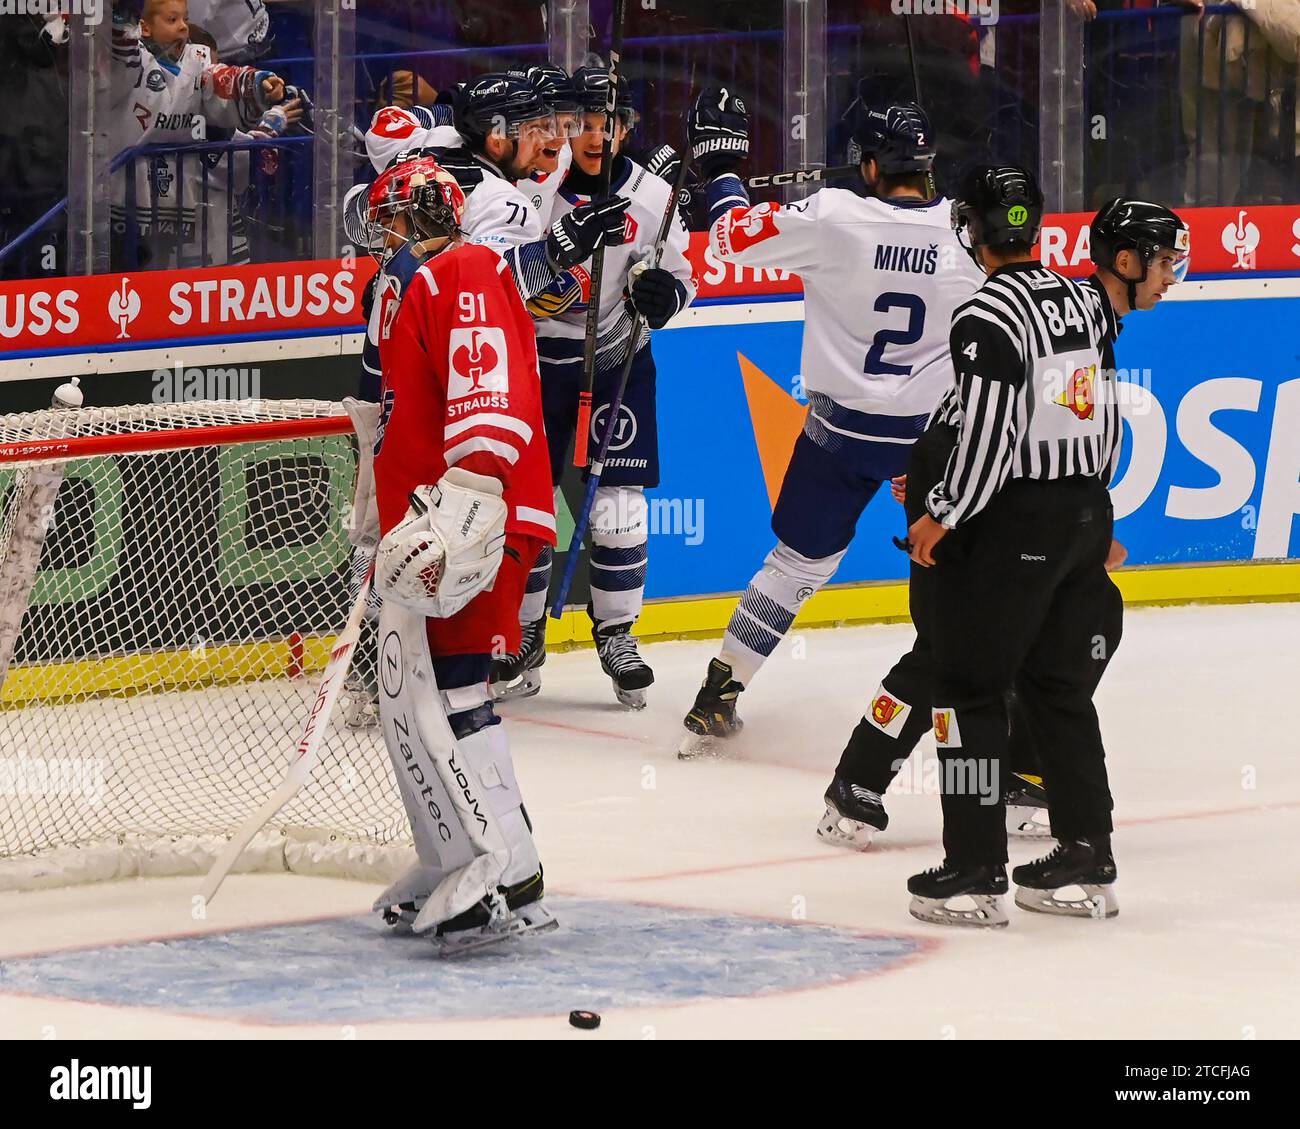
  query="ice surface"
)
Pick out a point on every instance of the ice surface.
point(688, 893)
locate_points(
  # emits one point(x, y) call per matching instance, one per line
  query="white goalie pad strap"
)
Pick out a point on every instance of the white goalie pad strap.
point(488, 750)
point(620, 517)
point(452, 821)
point(447, 548)
point(363, 521)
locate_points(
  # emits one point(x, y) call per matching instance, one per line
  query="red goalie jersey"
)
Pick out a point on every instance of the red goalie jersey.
point(460, 386)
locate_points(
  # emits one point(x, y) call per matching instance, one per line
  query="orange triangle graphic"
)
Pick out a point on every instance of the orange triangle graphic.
point(777, 418)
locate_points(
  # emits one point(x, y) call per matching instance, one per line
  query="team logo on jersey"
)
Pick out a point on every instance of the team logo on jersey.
point(1080, 393)
point(630, 228)
point(156, 81)
point(745, 227)
point(946, 733)
point(143, 115)
point(478, 361)
point(393, 122)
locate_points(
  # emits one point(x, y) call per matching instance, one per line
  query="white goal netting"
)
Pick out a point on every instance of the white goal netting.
point(171, 579)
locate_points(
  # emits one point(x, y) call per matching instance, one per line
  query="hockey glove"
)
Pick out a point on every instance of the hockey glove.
point(664, 162)
point(655, 295)
point(447, 548)
point(575, 237)
point(718, 129)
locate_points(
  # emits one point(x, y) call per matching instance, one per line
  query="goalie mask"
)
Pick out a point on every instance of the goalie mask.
point(423, 193)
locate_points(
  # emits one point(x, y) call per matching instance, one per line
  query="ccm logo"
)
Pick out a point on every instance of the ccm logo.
point(803, 176)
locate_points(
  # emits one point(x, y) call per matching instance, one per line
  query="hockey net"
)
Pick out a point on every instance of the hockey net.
point(171, 580)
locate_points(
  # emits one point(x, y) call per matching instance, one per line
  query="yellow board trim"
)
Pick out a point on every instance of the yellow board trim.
point(886, 601)
point(706, 617)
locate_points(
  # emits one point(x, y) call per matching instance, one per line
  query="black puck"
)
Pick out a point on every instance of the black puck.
point(587, 1020)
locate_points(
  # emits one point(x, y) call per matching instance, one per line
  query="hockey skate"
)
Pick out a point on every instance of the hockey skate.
point(1075, 880)
point(616, 647)
point(959, 895)
point(713, 717)
point(519, 675)
point(853, 816)
point(509, 912)
point(1026, 802)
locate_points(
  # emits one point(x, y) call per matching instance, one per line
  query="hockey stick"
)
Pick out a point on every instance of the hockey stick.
point(306, 753)
point(598, 259)
point(598, 463)
point(799, 176)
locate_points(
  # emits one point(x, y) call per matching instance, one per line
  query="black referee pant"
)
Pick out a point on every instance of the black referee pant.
point(872, 758)
point(1021, 594)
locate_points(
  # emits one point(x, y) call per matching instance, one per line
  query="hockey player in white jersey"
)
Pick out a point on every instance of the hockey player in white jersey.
point(620, 513)
point(882, 275)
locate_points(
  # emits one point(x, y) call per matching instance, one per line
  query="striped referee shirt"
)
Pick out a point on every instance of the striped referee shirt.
point(1034, 397)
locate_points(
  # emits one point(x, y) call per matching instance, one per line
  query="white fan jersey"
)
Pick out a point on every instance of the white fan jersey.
point(881, 280)
point(560, 339)
point(497, 212)
point(240, 27)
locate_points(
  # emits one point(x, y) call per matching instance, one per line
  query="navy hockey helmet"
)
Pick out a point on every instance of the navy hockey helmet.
point(999, 204)
point(1137, 225)
point(591, 88)
point(496, 104)
point(551, 82)
point(896, 135)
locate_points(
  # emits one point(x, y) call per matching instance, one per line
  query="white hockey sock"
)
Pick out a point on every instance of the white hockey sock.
point(769, 606)
point(619, 552)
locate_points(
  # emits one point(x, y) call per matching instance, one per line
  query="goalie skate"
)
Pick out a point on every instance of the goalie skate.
point(501, 924)
point(968, 896)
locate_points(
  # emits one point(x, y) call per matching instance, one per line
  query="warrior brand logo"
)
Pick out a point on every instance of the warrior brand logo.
point(745, 227)
point(478, 361)
point(625, 427)
point(1079, 394)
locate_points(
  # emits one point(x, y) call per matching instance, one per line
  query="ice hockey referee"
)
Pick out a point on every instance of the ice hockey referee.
point(1019, 529)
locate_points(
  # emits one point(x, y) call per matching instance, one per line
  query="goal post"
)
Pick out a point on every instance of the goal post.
point(172, 578)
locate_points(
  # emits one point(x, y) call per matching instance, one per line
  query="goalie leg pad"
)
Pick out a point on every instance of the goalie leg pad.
point(455, 829)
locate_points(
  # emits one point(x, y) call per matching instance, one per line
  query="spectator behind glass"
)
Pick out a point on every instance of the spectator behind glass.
point(168, 90)
point(33, 144)
point(241, 28)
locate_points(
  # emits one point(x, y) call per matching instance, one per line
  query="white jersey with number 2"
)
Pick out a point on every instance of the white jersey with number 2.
point(881, 280)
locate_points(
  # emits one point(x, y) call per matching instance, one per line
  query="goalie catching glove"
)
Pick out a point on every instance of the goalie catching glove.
point(447, 548)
